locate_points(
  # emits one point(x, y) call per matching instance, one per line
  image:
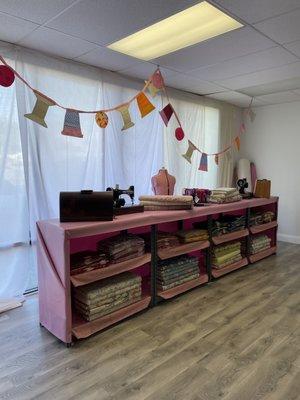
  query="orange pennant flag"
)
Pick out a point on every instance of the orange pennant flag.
point(144, 104)
point(237, 142)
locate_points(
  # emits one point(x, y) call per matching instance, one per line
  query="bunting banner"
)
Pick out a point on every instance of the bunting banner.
point(166, 113)
point(189, 152)
point(144, 104)
point(152, 89)
point(7, 76)
point(40, 109)
point(72, 124)
point(154, 84)
point(179, 134)
point(101, 119)
point(237, 141)
point(127, 123)
point(203, 162)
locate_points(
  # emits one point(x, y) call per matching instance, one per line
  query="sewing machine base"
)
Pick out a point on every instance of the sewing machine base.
point(128, 209)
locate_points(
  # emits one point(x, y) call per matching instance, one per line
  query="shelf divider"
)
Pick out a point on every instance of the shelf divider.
point(262, 254)
point(169, 293)
point(216, 273)
point(164, 254)
point(228, 237)
point(263, 227)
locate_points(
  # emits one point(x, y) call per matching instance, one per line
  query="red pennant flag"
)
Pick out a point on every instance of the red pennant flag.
point(203, 163)
point(166, 113)
point(157, 79)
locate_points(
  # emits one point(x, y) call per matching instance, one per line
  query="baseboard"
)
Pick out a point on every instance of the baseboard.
point(288, 238)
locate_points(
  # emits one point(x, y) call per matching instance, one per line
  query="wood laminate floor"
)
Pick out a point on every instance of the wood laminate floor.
point(237, 338)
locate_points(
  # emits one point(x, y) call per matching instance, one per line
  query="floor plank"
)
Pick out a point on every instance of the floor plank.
point(237, 338)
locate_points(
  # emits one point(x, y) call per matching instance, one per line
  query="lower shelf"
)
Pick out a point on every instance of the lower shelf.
point(82, 329)
point(169, 293)
point(216, 273)
point(262, 254)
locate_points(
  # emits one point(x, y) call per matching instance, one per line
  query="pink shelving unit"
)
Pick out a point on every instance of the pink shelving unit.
point(56, 241)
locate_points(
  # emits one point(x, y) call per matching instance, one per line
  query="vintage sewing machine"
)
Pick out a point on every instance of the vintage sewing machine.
point(120, 206)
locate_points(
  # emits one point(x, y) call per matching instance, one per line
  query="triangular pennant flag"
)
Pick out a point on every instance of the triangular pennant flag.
point(203, 163)
point(217, 159)
point(72, 124)
point(166, 113)
point(237, 141)
point(189, 152)
point(157, 79)
point(152, 89)
point(144, 104)
point(127, 123)
point(252, 115)
point(242, 128)
point(40, 109)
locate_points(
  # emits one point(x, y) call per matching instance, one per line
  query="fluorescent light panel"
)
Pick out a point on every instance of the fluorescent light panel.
point(193, 25)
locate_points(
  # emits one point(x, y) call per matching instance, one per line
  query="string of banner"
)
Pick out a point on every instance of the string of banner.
point(153, 85)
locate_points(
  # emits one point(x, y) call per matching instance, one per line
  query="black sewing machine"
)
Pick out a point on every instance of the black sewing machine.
point(120, 206)
point(242, 184)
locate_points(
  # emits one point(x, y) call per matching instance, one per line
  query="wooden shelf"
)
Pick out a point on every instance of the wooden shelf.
point(182, 249)
point(169, 293)
point(228, 237)
point(82, 329)
point(262, 254)
point(110, 270)
point(263, 227)
point(216, 273)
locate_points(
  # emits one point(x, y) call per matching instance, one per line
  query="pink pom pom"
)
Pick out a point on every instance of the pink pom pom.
point(179, 134)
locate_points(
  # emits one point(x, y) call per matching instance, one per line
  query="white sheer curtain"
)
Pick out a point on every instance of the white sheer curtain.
point(38, 163)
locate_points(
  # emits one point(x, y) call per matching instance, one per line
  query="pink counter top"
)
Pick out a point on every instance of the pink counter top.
point(79, 229)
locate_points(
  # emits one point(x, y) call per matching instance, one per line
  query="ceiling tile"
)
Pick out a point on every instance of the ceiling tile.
point(104, 22)
point(12, 29)
point(262, 77)
point(269, 58)
point(34, 10)
point(258, 9)
point(230, 45)
point(280, 97)
point(108, 59)
point(53, 42)
point(190, 84)
point(273, 87)
point(294, 47)
point(282, 29)
point(143, 70)
point(238, 99)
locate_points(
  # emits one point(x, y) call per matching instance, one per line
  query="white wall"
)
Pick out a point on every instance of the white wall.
point(272, 141)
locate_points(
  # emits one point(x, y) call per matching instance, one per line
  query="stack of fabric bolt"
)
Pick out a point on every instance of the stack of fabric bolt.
point(122, 247)
point(85, 261)
point(177, 270)
point(104, 297)
point(166, 240)
point(166, 202)
point(259, 243)
point(193, 235)
point(228, 224)
point(224, 195)
point(227, 254)
point(262, 218)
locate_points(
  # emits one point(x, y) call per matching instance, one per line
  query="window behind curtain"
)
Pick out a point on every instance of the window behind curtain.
point(102, 158)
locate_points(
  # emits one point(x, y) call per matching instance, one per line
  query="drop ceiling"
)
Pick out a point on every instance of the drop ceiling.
point(262, 59)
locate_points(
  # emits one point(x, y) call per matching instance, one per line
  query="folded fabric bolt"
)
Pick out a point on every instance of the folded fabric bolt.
point(101, 298)
point(85, 261)
point(259, 243)
point(166, 202)
point(262, 218)
point(192, 235)
point(122, 247)
point(224, 195)
point(227, 254)
point(176, 270)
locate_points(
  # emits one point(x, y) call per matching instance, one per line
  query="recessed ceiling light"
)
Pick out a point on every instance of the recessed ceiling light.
point(193, 25)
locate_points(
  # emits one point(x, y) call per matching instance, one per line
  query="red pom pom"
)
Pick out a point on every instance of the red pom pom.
point(179, 134)
point(7, 76)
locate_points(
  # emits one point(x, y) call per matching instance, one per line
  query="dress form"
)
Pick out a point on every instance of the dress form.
point(163, 183)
